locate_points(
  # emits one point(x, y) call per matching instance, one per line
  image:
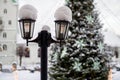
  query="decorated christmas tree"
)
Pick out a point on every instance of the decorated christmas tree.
point(82, 56)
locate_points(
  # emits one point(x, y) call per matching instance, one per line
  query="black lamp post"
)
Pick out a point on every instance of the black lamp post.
point(44, 38)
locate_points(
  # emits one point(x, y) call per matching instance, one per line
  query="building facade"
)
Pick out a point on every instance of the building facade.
point(30, 54)
point(8, 30)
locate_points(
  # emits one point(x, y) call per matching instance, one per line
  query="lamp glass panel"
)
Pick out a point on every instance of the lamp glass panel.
point(66, 32)
point(32, 29)
point(21, 28)
point(61, 28)
point(62, 31)
point(57, 30)
point(27, 29)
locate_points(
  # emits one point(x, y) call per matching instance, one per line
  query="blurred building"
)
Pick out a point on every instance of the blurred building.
point(115, 56)
point(30, 54)
point(8, 30)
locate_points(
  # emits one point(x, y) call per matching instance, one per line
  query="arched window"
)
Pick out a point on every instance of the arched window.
point(4, 35)
point(27, 52)
point(4, 47)
point(0, 48)
point(9, 22)
point(1, 22)
point(116, 52)
point(5, 11)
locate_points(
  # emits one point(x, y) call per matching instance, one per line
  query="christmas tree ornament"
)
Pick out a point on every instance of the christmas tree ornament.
point(101, 47)
point(96, 65)
point(77, 66)
point(89, 19)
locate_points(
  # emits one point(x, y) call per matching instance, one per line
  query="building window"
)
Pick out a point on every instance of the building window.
point(0, 48)
point(9, 22)
point(5, 1)
point(39, 52)
point(1, 22)
point(5, 11)
point(5, 47)
point(116, 52)
point(4, 35)
point(27, 52)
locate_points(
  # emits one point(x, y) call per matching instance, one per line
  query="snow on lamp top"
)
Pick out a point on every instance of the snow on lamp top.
point(63, 13)
point(46, 28)
point(28, 12)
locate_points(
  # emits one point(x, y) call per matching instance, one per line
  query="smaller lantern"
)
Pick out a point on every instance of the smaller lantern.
point(61, 29)
point(63, 17)
point(28, 16)
point(27, 28)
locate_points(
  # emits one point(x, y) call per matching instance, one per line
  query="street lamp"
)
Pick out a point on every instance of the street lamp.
point(44, 38)
point(61, 29)
point(27, 28)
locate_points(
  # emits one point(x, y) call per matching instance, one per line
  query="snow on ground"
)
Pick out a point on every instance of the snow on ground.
point(27, 75)
point(20, 75)
point(115, 75)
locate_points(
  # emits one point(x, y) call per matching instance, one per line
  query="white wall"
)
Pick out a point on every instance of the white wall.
point(8, 56)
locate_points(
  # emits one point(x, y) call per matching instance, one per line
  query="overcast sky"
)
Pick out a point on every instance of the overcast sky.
point(109, 13)
point(110, 17)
